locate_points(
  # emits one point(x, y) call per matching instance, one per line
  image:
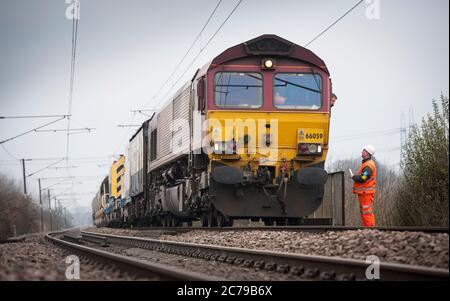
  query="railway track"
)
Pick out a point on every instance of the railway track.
point(125, 263)
point(304, 266)
point(294, 228)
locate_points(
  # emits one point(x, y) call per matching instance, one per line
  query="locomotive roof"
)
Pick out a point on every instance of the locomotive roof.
point(269, 45)
point(264, 45)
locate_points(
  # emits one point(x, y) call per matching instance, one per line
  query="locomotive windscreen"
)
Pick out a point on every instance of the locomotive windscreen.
point(297, 91)
point(238, 90)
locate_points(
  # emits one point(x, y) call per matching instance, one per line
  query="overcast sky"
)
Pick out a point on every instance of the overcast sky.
point(381, 68)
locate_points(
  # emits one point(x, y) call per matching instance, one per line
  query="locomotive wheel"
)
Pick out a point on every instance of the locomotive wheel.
point(168, 221)
point(294, 221)
point(268, 221)
point(213, 218)
point(204, 219)
point(281, 221)
point(222, 221)
point(177, 222)
point(156, 221)
point(172, 221)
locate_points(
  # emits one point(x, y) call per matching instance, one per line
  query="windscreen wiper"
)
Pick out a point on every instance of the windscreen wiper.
point(296, 85)
point(240, 86)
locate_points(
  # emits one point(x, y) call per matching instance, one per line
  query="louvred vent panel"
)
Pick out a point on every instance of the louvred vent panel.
point(269, 46)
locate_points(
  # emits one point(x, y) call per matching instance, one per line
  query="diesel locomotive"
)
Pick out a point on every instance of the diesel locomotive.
point(246, 137)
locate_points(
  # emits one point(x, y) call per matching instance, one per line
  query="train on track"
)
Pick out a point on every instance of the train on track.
point(246, 137)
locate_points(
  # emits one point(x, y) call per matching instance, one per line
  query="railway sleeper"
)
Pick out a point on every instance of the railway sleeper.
point(222, 258)
point(238, 261)
point(328, 275)
point(347, 277)
point(297, 270)
point(309, 273)
point(230, 259)
point(270, 266)
point(248, 263)
point(259, 265)
point(283, 268)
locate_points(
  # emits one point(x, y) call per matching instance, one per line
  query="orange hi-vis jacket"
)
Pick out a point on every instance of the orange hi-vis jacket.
point(369, 186)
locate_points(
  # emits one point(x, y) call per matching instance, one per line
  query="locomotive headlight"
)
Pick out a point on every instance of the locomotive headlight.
point(268, 63)
point(312, 148)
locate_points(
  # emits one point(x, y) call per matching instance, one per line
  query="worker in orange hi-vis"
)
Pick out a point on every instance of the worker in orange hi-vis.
point(364, 186)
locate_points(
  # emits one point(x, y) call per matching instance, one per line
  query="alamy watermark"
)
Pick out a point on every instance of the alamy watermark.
point(73, 268)
point(224, 136)
point(373, 9)
point(73, 9)
point(373, 270)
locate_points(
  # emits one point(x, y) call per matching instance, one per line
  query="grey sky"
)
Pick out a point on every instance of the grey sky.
point(126, 49)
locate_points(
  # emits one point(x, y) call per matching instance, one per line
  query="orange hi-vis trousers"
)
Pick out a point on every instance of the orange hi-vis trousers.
point(365, 205)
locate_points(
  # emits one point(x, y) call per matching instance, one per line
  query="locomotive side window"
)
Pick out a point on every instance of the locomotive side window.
point(238, 90)
point(297, 91)
point(153, 148)
point(201, 94)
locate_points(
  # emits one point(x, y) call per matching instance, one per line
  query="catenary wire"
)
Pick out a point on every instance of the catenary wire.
point(334, 23)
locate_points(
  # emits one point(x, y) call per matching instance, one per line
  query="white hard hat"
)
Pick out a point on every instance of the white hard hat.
point(370, 149)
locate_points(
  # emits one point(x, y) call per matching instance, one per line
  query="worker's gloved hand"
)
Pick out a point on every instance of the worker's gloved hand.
point(350, 173)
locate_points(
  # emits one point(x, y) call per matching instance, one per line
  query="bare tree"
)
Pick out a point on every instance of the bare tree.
point(17, 209)
point(20, 210)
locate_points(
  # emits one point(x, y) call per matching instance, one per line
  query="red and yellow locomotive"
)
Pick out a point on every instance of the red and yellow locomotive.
point(247, 137)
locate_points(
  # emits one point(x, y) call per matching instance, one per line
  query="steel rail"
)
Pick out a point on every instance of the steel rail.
point(295, 228)
point(128, 264)
point(307, 266)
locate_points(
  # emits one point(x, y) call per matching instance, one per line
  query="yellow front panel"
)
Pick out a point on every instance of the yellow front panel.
point(291, 128)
